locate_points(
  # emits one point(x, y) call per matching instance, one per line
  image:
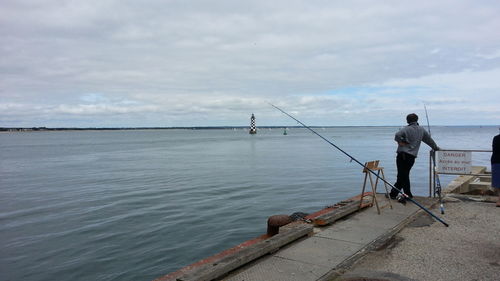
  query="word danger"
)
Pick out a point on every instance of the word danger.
point(454, 162)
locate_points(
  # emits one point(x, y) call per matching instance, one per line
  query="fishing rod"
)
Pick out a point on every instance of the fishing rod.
point(437, 189)
point(364, 166)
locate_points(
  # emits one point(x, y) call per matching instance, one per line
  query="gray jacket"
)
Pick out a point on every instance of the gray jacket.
point(411, 136)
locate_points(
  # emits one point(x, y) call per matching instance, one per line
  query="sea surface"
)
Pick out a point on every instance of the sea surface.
point(135, 205)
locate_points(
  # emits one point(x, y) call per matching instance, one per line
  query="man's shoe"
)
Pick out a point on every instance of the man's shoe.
point(401, 199)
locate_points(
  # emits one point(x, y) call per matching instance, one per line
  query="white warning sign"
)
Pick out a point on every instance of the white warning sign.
point(454, 162)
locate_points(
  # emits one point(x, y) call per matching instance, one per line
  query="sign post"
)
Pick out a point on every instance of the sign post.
point(454, 162)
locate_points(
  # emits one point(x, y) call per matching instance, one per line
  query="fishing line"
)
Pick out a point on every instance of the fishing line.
point(365, 167)
point(437, 189)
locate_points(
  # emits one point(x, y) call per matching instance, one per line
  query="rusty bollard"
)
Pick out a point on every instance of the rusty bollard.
point(275, 222)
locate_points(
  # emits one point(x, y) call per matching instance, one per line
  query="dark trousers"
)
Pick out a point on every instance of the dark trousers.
point(404, 162)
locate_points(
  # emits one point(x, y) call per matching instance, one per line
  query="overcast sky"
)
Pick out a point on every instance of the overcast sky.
point(108, 63)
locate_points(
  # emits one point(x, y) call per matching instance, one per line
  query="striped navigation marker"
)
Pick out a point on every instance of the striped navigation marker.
point(253, 128)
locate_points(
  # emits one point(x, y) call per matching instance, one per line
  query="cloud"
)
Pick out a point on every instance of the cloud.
point(100, 109)
point(492, 55)
point(93, 98)
point(211, 62)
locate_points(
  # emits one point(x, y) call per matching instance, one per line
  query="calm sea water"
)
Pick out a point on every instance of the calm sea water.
point(135, 205)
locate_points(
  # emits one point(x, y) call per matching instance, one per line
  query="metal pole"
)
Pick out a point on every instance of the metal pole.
point(430, 175)
point(437, 182)
point(433, 178)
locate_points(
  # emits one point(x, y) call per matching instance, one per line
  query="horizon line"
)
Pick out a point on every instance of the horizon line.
point(206, 127)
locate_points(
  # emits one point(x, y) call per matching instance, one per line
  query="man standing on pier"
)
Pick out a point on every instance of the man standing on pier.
point(495, 166)
point(409, 139)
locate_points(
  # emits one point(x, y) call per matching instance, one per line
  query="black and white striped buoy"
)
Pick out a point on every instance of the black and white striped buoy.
point(253, 128)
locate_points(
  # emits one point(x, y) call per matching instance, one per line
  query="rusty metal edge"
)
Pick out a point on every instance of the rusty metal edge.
point(216, 268)
point(340, 212)
point(222, 263)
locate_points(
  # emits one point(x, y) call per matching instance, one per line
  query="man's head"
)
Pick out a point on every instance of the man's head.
point(412, 117)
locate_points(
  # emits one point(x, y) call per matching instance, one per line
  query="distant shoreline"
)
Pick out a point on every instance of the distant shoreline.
point(37, 129)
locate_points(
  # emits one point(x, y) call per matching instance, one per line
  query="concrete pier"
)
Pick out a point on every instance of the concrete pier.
point(425, 250)
point(332, 249)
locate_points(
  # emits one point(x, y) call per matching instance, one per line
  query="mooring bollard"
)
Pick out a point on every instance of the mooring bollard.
point(275, 222)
